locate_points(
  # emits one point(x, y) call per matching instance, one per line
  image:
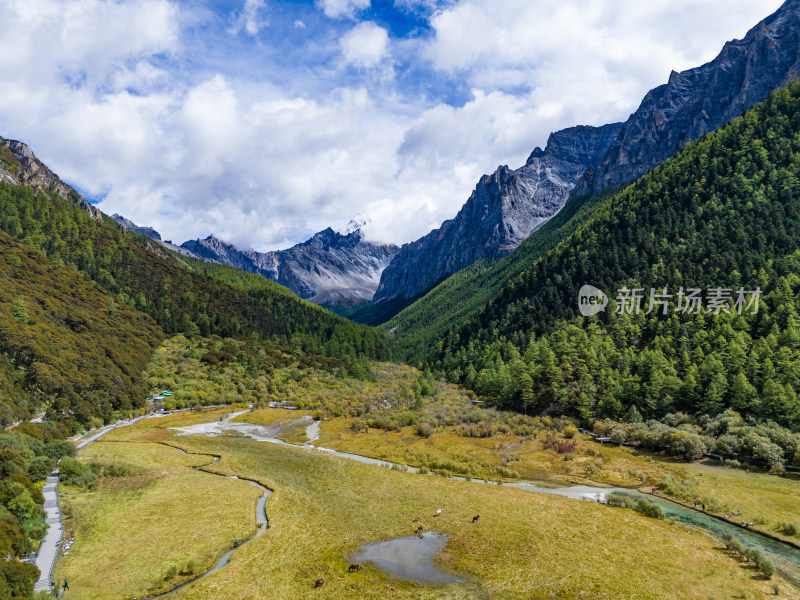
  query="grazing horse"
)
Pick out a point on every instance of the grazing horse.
point(438, 512)
point(417, 518)
point(319, 582)
point(475, 518)
point(354, 567)
point(419, 529)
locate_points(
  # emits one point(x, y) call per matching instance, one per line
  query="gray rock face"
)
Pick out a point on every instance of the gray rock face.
point(131, 226)
point(506, 207)
point(330, 268)
point(19, 166)
point(703, 99)
point(502, 211)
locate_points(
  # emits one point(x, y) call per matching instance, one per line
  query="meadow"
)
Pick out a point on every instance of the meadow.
point(323, 507)
point(400, 414)
point(159, 523)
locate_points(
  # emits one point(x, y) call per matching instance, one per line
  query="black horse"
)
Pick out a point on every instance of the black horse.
point(354, 567)
point(475, 518)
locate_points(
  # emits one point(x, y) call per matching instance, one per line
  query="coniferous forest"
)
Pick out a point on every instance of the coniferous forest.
point(723, 213)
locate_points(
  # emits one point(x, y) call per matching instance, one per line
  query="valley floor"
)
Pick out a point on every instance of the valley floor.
point(145, 531)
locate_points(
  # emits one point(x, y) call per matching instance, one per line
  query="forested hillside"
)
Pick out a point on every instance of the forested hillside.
point(423, 323)
point(723, 213)
point(164, 286)
point(67, 344)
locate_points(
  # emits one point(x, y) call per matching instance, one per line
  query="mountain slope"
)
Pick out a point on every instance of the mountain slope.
point(19, 166)
point(693, 103)
point(502, 211)
point(700, 100)
point(329, 268)
point(725, 212)
point(425, 321)
point(163, 284)
point(66, 342)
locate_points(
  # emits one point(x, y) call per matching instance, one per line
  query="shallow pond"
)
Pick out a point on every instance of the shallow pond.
point(785, 556)
point(410, 558)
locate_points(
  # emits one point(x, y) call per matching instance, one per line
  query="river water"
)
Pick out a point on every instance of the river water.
point(785, 556)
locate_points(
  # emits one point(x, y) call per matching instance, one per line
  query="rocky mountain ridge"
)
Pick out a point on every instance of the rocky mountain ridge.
point(19, 166)
point(330, 268)
point(502, 211)
point(703, 99)
point(508, 205)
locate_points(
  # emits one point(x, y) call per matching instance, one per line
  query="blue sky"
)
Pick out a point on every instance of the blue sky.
point(265, 121)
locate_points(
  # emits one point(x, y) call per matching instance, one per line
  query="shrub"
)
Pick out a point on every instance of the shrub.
point(40, 467)
point(766, 566)
point(171, 572)
point(789, 528)
point(424, 429)
point(754, 554)
point(618, 499)
point(74, 472)
point(593, 467)
point(570, 431)
point(642, 505)
point(649, 509)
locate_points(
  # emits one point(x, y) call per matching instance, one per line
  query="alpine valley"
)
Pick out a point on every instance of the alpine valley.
point(451, 418)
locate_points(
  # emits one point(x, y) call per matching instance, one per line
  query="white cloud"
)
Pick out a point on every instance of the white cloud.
point(365, 45)
point(337, 9)
point(619, 44)
point(248, 18)
point(87, 86)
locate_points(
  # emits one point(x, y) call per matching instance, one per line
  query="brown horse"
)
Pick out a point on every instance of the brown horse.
point(354, 567)
point(475, 518)
point(319, 582)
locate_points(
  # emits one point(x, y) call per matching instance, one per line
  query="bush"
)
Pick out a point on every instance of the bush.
point(767, 567)
point(188, 569)
point(649, 509)
point(74, 472)
point(789, 528)
point(755, 555)
point(424, 429)
point(642, 505)
point(171, 572)
point(621, 500)
point(570, 431)
point(40, 467)
point(593, 467)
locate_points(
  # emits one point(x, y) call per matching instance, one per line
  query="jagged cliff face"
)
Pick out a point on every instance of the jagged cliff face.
point(19, 166)
point(502, 211)
point(131, 226)
point(703, 99)
point(506, 207)
point(330, 268)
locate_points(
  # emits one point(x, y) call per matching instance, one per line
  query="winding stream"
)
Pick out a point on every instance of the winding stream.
point(785, 556)
point(262, 524)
